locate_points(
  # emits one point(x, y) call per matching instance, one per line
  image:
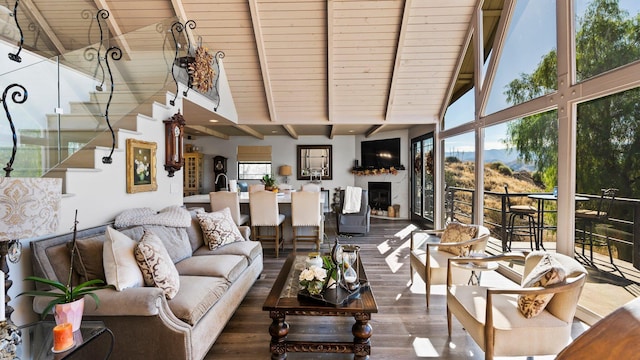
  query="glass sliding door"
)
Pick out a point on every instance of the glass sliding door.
point(422, 180)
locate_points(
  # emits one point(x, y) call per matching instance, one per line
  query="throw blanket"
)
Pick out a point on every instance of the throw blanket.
point(172, 216)
point(352, 200)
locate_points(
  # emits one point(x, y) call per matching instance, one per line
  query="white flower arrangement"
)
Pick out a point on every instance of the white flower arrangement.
point(312, 279)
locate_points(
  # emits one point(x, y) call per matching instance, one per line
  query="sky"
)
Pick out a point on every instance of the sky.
point(534, 22)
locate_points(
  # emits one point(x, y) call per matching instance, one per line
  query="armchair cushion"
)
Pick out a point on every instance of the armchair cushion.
point(547, 272)
point(457, 232)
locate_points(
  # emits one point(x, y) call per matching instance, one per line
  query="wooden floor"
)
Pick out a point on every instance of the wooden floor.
point(402, 329)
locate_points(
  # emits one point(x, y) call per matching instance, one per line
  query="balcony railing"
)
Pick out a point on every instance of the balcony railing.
point(623, 231)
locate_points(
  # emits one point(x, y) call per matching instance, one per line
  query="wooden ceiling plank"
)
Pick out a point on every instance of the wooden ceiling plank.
point(332, 131)
point(36, 15)
point(247, 129)
point(292, 132)
point(398, 63)
point(115, 29)
point(262, 58)
point(208, 131)
point(330, 62)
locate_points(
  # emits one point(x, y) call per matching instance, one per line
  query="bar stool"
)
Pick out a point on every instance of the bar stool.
point(521, 211)
point(223, 199)
point(263, 208)
point(306, 212)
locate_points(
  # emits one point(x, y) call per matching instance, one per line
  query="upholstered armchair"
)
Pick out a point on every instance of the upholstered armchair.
point(503, 323)
point(429, 255)
point(354, 223)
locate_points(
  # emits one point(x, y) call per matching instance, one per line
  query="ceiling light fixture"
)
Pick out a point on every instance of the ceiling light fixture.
point(213, 121)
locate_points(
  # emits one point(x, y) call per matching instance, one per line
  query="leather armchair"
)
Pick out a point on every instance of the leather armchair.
point(354, 223)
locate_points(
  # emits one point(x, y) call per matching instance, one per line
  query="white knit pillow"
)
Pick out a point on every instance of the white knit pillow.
point(120, 266)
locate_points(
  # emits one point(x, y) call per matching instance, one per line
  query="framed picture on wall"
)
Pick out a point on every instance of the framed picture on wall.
point(141, 166)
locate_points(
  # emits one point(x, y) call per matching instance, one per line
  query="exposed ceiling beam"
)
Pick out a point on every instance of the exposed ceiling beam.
point(250, 131)
point(178, 8)
point(292, 132)
point(373, 130)
point(330, 60)
point(396, 65)
point(208, 131)
point(332, 131)
point(115, 29)
point(262, 58)
point(44, 25)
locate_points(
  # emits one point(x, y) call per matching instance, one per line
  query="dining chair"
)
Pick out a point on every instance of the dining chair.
point(531, 318)
point(263, 209)
point(306, 213)
point(588, 218)
point(311, 187)
point(521, 211)
point(256, 187)
point(223, 199)
point(430, 250)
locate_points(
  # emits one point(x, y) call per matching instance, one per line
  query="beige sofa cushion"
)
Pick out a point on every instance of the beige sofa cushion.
point(196, 296)
point(156, 265)
point(87, 262)
point(226, 266)
point(249, 249)
point(175, 239)
point(547, 272)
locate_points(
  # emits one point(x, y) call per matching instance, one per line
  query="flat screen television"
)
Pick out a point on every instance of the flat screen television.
point(377, 154)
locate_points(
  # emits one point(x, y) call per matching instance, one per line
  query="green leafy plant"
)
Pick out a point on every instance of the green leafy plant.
point(268, 180)
point(68, 292)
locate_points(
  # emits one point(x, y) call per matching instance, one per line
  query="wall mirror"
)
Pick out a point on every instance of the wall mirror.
point(315, 162)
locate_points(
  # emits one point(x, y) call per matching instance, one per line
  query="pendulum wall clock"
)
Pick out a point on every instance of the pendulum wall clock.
point(174, 136)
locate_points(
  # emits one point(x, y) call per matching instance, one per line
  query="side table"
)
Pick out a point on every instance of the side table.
point(476, 269)
point(37, 339)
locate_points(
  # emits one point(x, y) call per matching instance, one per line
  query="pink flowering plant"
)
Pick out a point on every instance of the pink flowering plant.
point(313, 279)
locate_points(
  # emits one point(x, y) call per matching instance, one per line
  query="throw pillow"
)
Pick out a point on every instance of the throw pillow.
point(218, 228)
point(457, 232)
point(157, 268)
point(87, 262)
point(120, 266)
point(547, 272)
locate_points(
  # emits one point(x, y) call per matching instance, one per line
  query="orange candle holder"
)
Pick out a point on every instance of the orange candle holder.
point(62, 337)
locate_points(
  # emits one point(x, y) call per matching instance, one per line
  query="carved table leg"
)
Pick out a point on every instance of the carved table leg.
point(278, 331)
point(361, 336)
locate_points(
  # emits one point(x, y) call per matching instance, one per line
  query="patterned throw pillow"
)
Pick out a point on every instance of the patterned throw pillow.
point(218, 228)
point(547, 272)
point(457, 232)
point(155, 263)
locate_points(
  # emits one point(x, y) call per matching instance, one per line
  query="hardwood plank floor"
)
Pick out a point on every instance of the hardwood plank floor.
point(402, 329)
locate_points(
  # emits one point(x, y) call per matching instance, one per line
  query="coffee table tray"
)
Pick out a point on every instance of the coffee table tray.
point(336, 296)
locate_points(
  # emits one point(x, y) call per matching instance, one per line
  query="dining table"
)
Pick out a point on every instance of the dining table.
point(541, 198)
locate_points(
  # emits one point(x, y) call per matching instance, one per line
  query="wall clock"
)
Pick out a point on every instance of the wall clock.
point(174, 136)
point(219, 167)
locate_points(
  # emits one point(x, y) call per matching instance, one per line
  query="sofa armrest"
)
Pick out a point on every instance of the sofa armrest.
point(138, 301)
point(245, 231)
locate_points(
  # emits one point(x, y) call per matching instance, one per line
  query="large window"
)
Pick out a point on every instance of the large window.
point(253, 170)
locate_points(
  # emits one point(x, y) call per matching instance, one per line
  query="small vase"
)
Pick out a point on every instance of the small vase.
point(70, 313)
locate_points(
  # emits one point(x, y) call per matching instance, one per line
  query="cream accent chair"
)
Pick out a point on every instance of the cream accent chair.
point(263, 208)
point(225, 199)
point(311, 187)
point(491, 315)
point(306, 212)
point(256, 187)
point(429, 261)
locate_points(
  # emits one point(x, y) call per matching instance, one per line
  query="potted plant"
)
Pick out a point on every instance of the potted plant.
point(269, 182)
point(68, 302)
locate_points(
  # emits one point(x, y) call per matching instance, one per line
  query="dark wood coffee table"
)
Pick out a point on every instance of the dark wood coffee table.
point(283, 300)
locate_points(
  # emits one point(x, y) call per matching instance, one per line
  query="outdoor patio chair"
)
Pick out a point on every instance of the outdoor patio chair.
point(588, 218)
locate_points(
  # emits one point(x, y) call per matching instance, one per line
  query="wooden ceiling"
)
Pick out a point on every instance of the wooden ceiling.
point(306, 67)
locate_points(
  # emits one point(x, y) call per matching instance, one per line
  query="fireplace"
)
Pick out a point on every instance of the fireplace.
point(379, 195)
